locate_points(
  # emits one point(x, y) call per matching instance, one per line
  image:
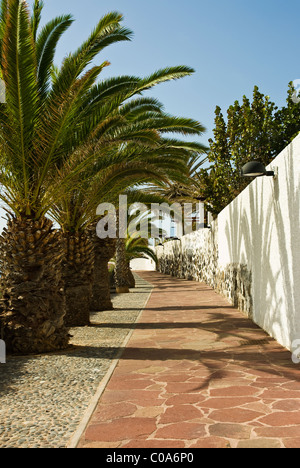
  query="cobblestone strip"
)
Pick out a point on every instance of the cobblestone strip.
point(44, 398)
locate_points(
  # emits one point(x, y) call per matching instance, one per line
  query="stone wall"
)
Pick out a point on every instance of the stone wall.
point(235, 283)
point(251, 254)
point(193, 257)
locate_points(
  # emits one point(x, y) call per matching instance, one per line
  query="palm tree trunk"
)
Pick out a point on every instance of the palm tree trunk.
point(121, 281)
point(104, 250)
point(77, 272)
point(121, 268)
point(130, 277)
point(33, 302)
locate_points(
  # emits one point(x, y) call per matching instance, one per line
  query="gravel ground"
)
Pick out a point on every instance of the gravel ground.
point(43, 398)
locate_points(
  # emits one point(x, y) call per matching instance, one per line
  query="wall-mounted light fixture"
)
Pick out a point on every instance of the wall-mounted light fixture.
point(256, 169)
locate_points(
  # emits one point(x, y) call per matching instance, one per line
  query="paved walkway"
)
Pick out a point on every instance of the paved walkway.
point(197, 373)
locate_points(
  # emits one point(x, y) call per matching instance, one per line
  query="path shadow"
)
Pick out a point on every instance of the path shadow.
point(219, 323)
point(212, 327)
point(11, 373)
point(175, 307)
point(245, 356)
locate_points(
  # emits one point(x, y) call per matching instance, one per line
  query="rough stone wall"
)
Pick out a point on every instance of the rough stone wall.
point(235, 283)
point(195, 257)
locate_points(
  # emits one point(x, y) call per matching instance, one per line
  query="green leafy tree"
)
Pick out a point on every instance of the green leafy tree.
point(251, 132)
point(288, 118)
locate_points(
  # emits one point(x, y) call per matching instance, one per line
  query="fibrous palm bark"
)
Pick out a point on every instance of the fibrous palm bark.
point(121, 268)
point(130, 277)
point(77, 274)
point(33, 302)
point(121, 264)
point(104, 250)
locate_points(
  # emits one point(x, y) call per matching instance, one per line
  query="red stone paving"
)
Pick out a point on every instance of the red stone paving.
point(197, 373)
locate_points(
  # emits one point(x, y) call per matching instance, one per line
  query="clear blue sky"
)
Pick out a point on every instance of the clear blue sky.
point(232, 45)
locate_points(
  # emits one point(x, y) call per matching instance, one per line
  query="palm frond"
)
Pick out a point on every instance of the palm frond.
point(192, 146)
point(59, 125)
point(3, 17)
point(36, 17)
point(109, 89)
point(19, 73)
point(46, 44)
point(136, 108)
point(108, 31)
point(140, 251)
point(165, 74)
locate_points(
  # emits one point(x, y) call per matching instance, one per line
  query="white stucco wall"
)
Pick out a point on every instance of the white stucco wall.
point(261, 228)
point(142, 264)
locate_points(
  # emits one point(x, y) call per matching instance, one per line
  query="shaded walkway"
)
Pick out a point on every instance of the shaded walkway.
point(197, 373)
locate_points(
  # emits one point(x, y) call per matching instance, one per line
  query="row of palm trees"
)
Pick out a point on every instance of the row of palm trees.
point(70, 140)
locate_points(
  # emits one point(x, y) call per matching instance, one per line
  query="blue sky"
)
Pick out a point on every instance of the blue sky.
point(232, 45)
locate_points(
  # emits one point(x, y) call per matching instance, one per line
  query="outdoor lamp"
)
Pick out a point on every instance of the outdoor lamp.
point(255, 169)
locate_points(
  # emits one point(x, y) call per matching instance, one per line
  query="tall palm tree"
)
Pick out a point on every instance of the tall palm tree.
point(38, 129)
point(188, 190)
point(176, 186)
point(137, 248)
point(137, 241)
point(117, 168)
point(50, 123)
point(127, 127)
point(104, 250)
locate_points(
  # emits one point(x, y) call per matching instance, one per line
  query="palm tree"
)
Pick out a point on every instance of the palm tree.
point(188, 190)
point(117, 165)
point(137, 248)
point(104, 250)
point(39, 128)
point(178, 185)
point(123, 277)
point(137, 242)
point(76, 210)
point(54, 125)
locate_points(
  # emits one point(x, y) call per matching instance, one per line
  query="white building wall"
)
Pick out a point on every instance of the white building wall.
point(142, 264)
point(261, 228)
point(251, 254)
